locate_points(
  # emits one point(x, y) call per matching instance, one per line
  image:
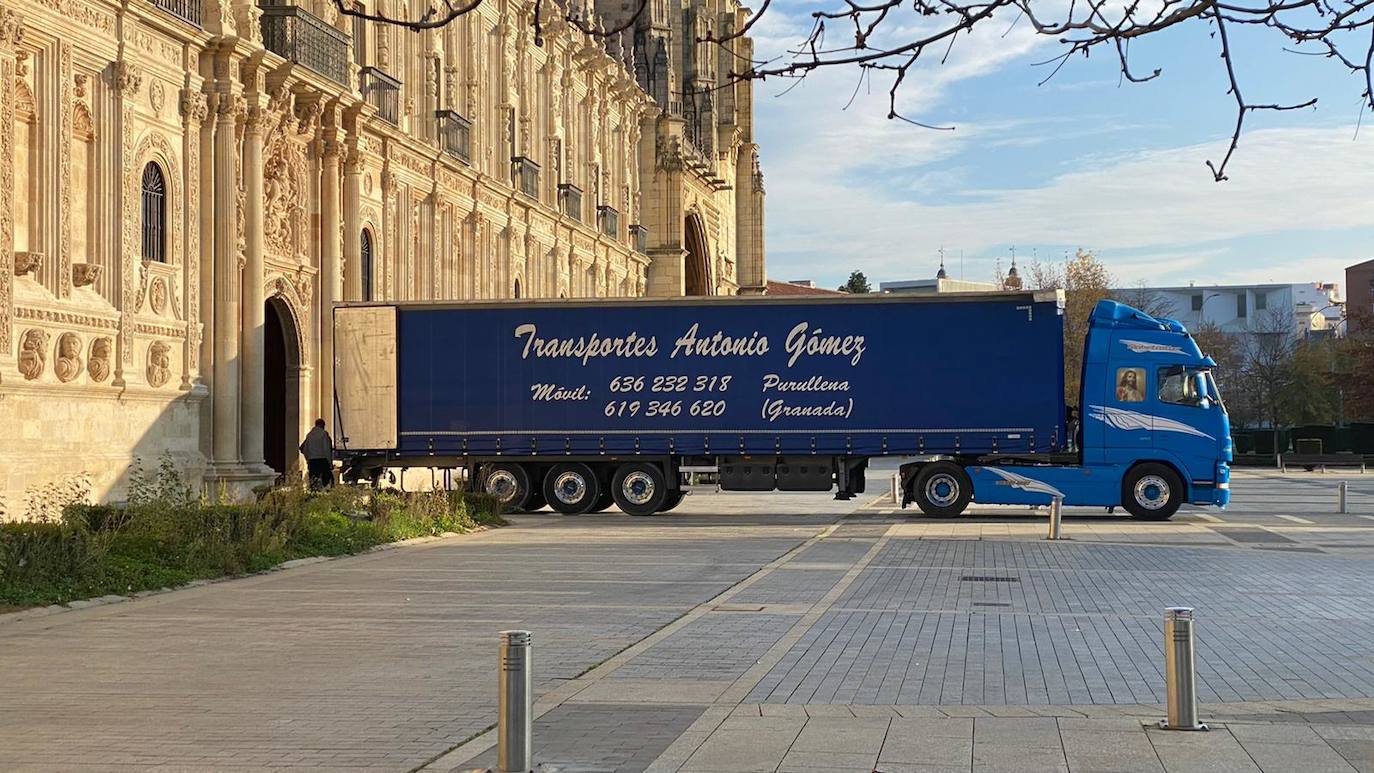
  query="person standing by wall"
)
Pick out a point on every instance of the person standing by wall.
point(318, 450)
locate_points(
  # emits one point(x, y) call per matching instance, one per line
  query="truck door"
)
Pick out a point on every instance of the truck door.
point(1125, 415)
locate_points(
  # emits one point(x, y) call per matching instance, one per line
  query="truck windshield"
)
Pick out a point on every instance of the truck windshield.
point(1182, 385)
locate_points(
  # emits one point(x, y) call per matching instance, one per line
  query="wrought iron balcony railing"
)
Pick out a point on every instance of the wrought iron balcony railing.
point(455, 135)
point(382, 92)
point(570, 200)
point(608, 219)
point(525, 176)
point(187, 10)
point(639, 237)
point(304, 38)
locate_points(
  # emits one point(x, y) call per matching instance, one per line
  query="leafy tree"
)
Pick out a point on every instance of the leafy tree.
point(858, 283)
point(1085, 281)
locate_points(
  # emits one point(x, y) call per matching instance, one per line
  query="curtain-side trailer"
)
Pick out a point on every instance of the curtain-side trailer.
point(579, 404)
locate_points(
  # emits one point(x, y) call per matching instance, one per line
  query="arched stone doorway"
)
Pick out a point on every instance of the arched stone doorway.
point(281, 413)
point(697, 263)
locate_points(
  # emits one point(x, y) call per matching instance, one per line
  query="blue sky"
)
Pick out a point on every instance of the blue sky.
point(1082, 161)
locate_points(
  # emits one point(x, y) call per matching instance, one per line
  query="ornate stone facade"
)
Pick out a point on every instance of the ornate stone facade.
point(187, 185)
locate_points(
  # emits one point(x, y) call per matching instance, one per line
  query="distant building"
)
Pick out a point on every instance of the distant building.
point(940, 284)
point(803, 287)
point(1359, 284)
point(936, 286)
point(1304, 308)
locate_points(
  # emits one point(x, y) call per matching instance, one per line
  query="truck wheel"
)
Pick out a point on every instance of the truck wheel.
point(673, 499)
point(572, 489)
point(942, 489)
point(639, 489)
point(1151, 492)
point(509, 483)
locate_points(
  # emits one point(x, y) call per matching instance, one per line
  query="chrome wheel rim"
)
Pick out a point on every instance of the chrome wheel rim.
point(942, 490)
point(637, 488)
point(570, 488)
point(503, 485)
point(1152, 492)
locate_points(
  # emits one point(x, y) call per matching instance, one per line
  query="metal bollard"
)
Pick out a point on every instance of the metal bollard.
point(1056, 515)
point(897, 488)
point(1180, 674)
point(1342, 491)
point(514, 724)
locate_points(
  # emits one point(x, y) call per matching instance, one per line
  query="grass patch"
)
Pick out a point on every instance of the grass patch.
point(164, 537)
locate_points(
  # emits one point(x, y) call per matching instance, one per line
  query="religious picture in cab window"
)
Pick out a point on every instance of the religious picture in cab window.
point(1130, 385)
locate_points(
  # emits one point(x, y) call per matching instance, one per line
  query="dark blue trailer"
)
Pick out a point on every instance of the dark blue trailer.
point(583, 403)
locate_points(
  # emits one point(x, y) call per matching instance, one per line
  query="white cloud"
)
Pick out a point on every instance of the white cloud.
point(1161, 202)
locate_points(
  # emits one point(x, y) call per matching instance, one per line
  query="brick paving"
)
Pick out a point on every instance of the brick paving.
point(778, 639)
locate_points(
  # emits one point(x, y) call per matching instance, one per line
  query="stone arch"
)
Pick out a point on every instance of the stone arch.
point(696, 269)
point(283, 363)
point(282, 290)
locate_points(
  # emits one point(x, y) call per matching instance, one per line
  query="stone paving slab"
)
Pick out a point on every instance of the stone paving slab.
point(384, 661)
point(1020, 744)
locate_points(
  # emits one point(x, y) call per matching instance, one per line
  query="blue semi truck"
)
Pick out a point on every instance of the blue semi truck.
point(581, 404)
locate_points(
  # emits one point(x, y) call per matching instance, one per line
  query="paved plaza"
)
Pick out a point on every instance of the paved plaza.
point(739, 633)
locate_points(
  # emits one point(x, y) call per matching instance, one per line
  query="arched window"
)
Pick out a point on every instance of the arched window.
point(154, 213)
point(365, 263)
point(517, 289)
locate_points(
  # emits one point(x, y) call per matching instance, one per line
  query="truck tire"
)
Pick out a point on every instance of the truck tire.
point(942, 489)
point(509, 483)
point(673, 499)
point(572, 488)
point(1151, 492)
point(639, 488)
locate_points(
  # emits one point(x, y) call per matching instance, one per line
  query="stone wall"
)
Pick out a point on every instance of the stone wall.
point(183, 195)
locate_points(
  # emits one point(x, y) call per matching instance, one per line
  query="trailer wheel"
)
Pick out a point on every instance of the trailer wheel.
point(942, 489)
point(572, 488)
point(1151, 492)
point(509, 483)
point(673, 499)
point(639, 489)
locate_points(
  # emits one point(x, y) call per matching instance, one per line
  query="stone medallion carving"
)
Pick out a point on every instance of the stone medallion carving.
point(156, 97)
point(33, 354)
point(157, 296)
point(68, 363)
point(99, 364)
point(159, 364)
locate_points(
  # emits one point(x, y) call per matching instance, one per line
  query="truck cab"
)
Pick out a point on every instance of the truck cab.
point(1154, 433)
point(1148, 397)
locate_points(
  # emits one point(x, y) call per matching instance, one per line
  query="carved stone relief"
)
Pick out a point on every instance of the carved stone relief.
point(157, 296)
point(68, 363)
point(159, 364)
point(33, 355)
point(98, 365)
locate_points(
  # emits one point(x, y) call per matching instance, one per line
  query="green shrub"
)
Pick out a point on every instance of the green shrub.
point(166, 537)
